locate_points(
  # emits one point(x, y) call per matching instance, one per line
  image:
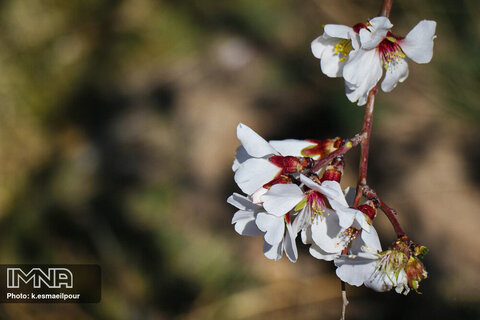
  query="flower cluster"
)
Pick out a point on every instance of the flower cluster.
point(360, 53)
point(284, 197)
point(292, 187)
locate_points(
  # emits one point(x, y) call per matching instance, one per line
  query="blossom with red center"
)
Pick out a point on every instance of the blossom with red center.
point(380, 49)
point(259, 162)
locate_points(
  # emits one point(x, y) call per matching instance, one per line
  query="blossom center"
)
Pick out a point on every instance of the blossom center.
point(313, 204)
point(390, 51)
point(343, 48)
point(392, 262)
point(316, 203)
point(347, 236)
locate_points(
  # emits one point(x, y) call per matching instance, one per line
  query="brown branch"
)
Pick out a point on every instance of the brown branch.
point(386, 7)
point(389, 212)
point(347, 145)
point(365, 144)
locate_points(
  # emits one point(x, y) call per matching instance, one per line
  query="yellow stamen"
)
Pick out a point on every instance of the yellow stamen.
point(343, 48)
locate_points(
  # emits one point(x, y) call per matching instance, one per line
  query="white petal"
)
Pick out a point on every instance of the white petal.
point(309, 183)
point(257, 195)
point(376, 32)
point(323, 48)
point(354, 93)
point(242, 215)
point(379, 283)
point(281, 198)
point(338, 31)
point(332, 64)
point(402, 283)
point(361, 73)
point(289, 244)
point(307, 235)
point(245, 223)
point(325, 231)
point(318, 253)
point(367, 245)
point(242, 202)
point(240, 157)
point(273, 226)
point(361, 221)
point(371, 239)
point(254, 173)
point(320, 44)
point(355, 40)
point(397, 71)
point(380, 22)
point(354, 271)
point(291, 147)
point(273, 252)
point(346, 215)
point(418, 44)
point(333, 191)
point(255, 145)
point(302, 220)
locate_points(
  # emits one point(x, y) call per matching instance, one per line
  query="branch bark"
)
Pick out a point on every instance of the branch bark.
point(389, 212)
point(386, 7)
point(365, 144)
point(349, 144)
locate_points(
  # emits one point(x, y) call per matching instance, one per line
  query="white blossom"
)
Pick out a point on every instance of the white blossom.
point(252, 166)
point(380, 49)
point(252, 220)
point(333, 48)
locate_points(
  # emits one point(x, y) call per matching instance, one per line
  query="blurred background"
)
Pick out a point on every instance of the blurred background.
point(117, 134)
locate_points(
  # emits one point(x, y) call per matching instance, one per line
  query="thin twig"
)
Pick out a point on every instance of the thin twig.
point(344, 300)
point(349, 144)
point(386, 7)
point(365, 144)
point(389, 212)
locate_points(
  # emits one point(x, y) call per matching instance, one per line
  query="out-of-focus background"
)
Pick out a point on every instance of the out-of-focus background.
point(117, 133)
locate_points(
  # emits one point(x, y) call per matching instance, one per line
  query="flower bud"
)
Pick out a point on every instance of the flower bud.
point(334, 170)
point(322, 147)
point(369, 208)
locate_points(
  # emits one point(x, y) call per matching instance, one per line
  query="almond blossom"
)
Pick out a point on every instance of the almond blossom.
point(380, 49)
point(279, 235)
point(311, 216)
point(398, 267)
point(260, 164)
point(330, 234)
point(244, 218)
point(334, 46)
point(252, 220)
